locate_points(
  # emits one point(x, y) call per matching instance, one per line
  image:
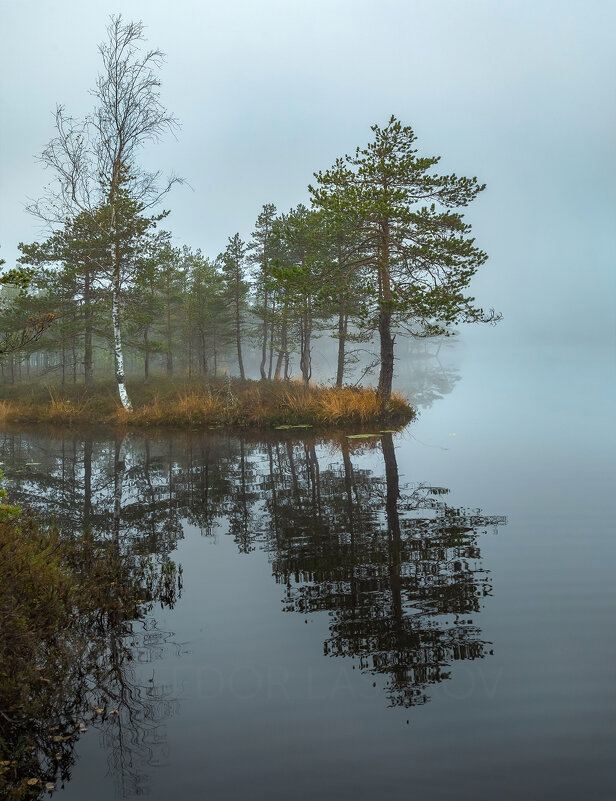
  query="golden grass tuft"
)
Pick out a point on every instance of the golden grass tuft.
point(348, 404)
point(189, 408)
point(299, 403)
point(6, 408)
point(63, 410)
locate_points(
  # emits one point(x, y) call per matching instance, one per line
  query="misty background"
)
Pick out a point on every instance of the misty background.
point(519, 94)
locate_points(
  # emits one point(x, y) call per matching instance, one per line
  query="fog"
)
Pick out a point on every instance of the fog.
point(519, 94)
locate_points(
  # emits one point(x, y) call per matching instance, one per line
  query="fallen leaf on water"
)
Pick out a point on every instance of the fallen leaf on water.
point(32, 782)
point(114, 711)
point(50, 786)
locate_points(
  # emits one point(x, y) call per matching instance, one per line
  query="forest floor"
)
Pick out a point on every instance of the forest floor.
point(219, 403)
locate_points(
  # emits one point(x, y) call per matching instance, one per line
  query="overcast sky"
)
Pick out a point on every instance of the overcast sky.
point(520, 93)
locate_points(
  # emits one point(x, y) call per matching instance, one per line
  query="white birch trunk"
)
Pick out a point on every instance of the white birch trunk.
point(115, 294)
point(117, 349)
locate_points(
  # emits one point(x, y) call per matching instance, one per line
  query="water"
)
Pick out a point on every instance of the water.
point(426, 614)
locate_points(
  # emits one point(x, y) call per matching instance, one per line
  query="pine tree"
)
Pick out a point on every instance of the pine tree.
point(261, 255)
point(413, 244)
point(236, 289)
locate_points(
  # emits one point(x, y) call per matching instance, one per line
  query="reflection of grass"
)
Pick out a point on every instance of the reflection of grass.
point(192, 404)
point(61, 600)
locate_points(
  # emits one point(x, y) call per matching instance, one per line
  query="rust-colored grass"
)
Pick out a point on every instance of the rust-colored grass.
point(334, 405)
point(250, 404)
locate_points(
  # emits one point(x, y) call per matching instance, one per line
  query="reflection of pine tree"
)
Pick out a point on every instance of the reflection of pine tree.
point(398, 572)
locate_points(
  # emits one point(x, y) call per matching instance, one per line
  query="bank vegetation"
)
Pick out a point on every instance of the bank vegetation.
point(218, 403)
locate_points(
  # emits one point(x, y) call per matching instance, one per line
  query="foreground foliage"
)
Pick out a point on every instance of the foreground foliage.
point(65, 608)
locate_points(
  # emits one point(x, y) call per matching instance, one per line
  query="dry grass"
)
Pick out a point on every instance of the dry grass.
point(347, 403)
point(194, 404)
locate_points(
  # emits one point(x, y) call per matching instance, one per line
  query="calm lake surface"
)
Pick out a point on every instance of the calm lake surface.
point(427, 614)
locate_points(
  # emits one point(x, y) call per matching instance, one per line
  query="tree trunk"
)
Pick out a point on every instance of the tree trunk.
point(215, 355)
point(203, 355)
point(87, 334)
point(386, 376)
point(305, 355)
point(115, 295)
point(343, 322)
point(283, 342)
point(278, 369)
point(238, 335)
point(117, 347)
point(264, 342)
point(146, 354)
point(169, 350)
point(271, 352)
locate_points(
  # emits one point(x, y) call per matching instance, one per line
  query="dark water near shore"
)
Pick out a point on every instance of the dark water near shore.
point(426, 614)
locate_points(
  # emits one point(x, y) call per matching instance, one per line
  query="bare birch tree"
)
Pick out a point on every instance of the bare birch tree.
point(95, 160)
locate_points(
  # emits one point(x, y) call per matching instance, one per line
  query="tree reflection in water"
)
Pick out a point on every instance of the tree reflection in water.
point(397, 569)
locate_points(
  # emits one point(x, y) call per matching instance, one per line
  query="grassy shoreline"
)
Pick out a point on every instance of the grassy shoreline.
point(195, 404)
